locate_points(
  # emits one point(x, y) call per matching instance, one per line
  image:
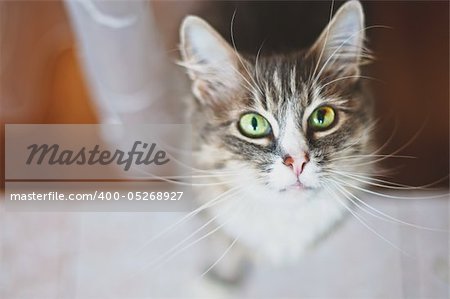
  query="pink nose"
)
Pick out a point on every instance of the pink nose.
point(296, 164)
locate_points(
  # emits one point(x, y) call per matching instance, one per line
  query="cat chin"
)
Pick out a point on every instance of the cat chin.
point(297, 193)
point(297, 187)
point(285, 190)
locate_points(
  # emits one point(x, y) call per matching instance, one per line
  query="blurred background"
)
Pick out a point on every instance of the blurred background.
point(44, 79)
point(84, 61)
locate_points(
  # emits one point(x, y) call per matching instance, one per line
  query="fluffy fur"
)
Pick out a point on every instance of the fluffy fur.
point(270, 210)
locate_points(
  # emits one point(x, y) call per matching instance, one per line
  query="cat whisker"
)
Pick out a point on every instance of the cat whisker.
point(364, 223)
point(181, 183)
point(395, 186)
point(368, 130)
point(425, 187)
point(411, 140)
point(173, 251)
point(175, 179)
point(183, 241)
point(348, 77)
point(168, 257)
point(388, 141)
point(313, 75)
point(208, 204)
point(200, 170)
point(376, 173)
point(249, 87)
point(193, 66)
point(341, 45)
point(239, 56)
point(384, 216)
point(221, 257)
point(169, 148)
point(388, 195)
point(180, 177)
point(356, 157)
point(370, 177)
point(257, 59)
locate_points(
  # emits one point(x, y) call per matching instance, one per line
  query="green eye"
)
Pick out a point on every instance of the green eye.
point(322, 118)
point(254, 125)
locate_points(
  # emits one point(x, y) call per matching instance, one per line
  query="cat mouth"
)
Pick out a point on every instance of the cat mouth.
point(297, 186)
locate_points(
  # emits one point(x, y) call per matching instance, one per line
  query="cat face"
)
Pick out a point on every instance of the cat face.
point(285, 121)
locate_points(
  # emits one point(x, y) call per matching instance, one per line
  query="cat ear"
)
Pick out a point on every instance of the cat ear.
point(211, 62)
point(340, 46)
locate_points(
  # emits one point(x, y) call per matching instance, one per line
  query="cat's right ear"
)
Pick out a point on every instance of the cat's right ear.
point(211, 62)
point(340, 48)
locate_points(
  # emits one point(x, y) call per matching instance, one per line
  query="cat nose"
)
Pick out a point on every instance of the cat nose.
point(297, 164)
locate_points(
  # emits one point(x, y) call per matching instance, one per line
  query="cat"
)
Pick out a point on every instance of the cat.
point(277, 134)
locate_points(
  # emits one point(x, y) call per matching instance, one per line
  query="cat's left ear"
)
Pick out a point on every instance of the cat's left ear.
point(339, 49)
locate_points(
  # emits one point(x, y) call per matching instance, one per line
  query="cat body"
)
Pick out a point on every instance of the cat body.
point(275, 227)
point(274, 132)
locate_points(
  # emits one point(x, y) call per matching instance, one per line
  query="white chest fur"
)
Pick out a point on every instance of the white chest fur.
point(273, 225)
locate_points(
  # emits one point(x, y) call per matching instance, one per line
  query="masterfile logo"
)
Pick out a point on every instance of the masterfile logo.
point(96, 151)
point(52, 154)
point(98, 167)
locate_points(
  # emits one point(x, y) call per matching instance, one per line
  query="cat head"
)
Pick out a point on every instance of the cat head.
point(288, 120)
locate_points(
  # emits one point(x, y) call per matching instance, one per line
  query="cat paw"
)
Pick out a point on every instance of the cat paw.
point(211, 288)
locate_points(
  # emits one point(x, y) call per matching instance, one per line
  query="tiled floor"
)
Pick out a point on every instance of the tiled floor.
point(101, 255)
